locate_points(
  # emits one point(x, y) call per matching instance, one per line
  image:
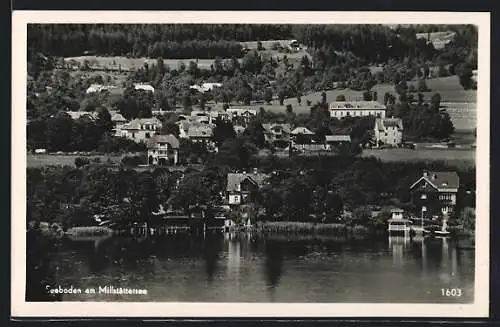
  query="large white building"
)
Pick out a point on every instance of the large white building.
point(341, 109)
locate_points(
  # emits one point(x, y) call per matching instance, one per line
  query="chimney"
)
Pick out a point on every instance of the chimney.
point(255, 170)
point(425, 173)
point(434, 176)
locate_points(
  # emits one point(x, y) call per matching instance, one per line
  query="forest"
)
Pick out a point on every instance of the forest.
point(370, 43)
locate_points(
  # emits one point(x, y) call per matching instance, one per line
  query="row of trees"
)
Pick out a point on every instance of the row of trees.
point(296, 188)
point(62, 133)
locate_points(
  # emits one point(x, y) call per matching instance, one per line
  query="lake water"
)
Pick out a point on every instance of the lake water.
point(244, 268)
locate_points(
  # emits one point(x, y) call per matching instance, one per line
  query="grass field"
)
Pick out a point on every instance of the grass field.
point(127, 64)
point(459, 158)
point(41, 160)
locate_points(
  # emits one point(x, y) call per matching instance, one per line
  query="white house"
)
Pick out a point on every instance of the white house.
point(388, 131)
point(94, 88)
point(163, 150)
point(341, 109)
point(140, 130)
point(205, 87)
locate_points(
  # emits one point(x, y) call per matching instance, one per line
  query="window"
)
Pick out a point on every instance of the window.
point(423, 196)
point(148, 135)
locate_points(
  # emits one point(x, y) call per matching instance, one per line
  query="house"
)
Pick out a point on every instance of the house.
point(434, 194)
point(209, 116)
point(205, 87)
point(277, 132)
point(337, 139)
point(388, 131)
point(163, 150)
point(438, 39)
point(94, 88)
point(139, 130)
point(241, 186)
point(144, 87)
point(200, 133)
point(241, 114)
point(301, 135)
point(341, 109)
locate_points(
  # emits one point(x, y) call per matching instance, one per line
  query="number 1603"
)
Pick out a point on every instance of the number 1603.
point(455, 292)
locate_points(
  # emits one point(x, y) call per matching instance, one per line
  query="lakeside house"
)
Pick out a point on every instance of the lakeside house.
point(163, 150)
point(388, 131)
point(434, 194)
point(241, 186)
point(341, 109)
point(140, 129)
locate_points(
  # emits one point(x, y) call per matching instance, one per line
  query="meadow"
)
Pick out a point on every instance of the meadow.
point(129, 64)
point(463, 159)
point(41, 160)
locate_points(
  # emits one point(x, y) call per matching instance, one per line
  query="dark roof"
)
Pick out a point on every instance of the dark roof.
point(170, 139)
point(441, 179)
point(233, 179)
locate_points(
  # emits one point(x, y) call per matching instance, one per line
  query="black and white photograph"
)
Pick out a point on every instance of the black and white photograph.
point(266, 163)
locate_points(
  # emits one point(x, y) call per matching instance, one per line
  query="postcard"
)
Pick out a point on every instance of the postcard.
point(250, 164)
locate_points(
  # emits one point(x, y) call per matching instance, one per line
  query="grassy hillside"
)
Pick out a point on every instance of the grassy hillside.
point(127, 64)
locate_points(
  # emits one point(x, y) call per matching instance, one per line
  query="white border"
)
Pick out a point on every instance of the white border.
point(20, 308)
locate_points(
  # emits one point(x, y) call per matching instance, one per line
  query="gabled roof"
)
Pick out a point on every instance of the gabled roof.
point(241, 111)
point(338, 138)
point(441, 180)
point(136, 123)
point(78, 114)
point(382, 124)
point(286, 127)
point(199, 131)
point(301, 130)
point(234, 179)
point(118, 118)
point(170, 139)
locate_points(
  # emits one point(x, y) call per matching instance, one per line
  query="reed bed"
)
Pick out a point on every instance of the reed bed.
point(299, 227)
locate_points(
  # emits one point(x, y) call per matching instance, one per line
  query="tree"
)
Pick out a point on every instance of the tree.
point(436, 102)
point(323, 97)
point(268, 95)
point(422, 86)
point(103, 121)
point(255, 132)
point(289, 109)
point(341, 97)
point(259, 46)
point(464, 73)
point(367, 96)
point(223, 131)
point(299, 99)
point(170, 127)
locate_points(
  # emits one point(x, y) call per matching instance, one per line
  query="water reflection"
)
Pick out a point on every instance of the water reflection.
point(276, 268)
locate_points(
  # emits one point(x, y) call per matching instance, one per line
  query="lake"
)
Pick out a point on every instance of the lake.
point(279, 268)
